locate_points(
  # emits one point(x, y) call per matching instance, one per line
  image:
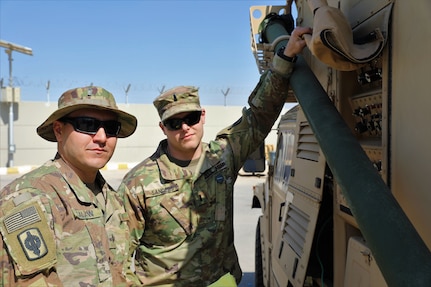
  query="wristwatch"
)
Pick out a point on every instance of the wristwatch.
point(281, 54)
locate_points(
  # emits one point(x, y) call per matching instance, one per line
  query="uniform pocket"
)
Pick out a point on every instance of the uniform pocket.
point(181, 215)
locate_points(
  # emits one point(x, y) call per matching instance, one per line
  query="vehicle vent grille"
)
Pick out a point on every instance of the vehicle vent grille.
point(295, 229)
point(308, 148)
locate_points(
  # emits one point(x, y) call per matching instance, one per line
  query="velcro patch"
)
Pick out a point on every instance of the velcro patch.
point(21, 219)
point(220, 214)
point(87, 213)
point(29, 239)
point(172, 187)
point(33, 244)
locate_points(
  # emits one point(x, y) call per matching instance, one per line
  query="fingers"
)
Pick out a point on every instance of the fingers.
point(299, 32)
point(297, 42)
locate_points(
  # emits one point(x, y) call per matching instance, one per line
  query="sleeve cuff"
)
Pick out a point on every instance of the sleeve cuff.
point(281, 66)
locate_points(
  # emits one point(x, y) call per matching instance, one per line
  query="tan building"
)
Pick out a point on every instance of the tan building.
point(32, 150)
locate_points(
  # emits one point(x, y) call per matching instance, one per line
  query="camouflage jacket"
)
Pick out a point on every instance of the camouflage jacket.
point(54, 232)
point(182, 223)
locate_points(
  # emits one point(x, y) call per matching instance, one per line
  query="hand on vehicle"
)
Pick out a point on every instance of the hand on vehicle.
point(296, 42)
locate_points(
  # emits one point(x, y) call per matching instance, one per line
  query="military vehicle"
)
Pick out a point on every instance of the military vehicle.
point(347, 198)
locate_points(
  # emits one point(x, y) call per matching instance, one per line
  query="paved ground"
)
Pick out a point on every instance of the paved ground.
point(245, 217)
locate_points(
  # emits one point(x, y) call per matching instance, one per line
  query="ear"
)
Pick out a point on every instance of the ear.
point(57, 127)
point(203, 116)
point(162, 127)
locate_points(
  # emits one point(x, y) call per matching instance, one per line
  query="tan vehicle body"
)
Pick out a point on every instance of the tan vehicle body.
point(307, 234)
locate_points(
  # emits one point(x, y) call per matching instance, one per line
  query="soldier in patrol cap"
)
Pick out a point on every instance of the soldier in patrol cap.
point(62, 224)
point(181, 197)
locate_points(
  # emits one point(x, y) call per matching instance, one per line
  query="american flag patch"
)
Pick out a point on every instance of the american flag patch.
point(21, 219)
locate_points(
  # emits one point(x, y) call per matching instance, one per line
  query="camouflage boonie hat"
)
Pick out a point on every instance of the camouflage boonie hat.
point(87, 98)
point(177, 100)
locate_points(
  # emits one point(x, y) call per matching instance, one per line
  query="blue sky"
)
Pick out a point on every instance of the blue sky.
point(150, 45)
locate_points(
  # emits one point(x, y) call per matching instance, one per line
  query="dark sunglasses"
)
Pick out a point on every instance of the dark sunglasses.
point(90, 126)
point(174, 124)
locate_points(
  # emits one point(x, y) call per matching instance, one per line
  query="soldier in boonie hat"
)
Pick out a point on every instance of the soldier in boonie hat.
point(64, 202)
point(87, 97)
point(177, 100)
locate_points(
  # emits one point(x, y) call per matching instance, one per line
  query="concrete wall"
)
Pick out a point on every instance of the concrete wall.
point(33, 150)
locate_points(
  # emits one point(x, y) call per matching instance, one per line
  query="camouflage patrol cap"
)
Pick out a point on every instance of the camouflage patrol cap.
point(177, 100)
point(90, 97)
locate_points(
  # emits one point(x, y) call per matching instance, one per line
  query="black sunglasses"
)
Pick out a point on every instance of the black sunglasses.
point(174, 124)
point(90, 126)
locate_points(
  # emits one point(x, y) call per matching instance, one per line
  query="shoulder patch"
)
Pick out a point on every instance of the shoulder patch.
point(29, 239)
point(32, 244)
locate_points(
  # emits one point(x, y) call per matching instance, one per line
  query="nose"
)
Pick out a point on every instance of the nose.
point(184, 126)
point(100, 136)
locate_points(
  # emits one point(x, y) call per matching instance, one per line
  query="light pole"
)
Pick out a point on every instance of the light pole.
point(28, 51)
point(225, 95)
point(162, 89)
point(48, 84)
point(126, 90)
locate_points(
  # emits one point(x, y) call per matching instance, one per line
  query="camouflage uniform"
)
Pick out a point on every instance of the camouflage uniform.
point(182, 222)
point(56, 233)
point(54, 230)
